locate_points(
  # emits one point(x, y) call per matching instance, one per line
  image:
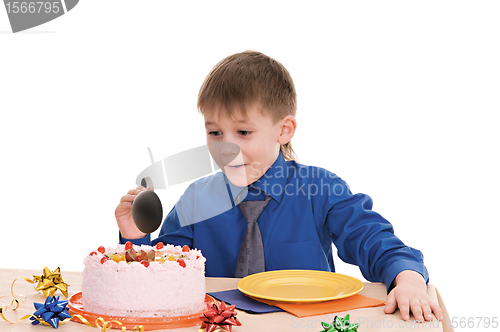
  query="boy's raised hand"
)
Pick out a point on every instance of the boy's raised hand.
point(123, 215)
point(410, 294)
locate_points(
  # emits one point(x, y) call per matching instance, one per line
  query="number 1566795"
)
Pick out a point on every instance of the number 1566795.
point(16, 7)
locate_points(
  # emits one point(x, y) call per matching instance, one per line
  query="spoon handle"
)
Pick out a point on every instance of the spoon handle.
point(146, 182)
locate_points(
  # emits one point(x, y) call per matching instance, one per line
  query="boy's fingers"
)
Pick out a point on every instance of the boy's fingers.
point(136, 190)
point(426, 310)
point(416, 308)
point(121, 209)
point(133, 191)
point(404, 308)
point(390, 303)
point(127, 198)
point(132, 194)
point(437, 310)
point(143, 189)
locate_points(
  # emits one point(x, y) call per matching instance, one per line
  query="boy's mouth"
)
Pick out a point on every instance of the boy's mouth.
point(237, 166)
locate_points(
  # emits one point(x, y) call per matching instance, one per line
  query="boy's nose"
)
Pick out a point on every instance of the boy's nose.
point(224, 152)
point(230, 149)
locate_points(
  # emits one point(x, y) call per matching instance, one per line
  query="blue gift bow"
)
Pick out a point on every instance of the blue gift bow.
point(52, 311)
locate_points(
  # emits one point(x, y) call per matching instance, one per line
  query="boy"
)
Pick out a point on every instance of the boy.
point(248, 101)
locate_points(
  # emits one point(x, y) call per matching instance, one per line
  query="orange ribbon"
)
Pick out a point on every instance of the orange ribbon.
point(99, 322)
point(104, 325)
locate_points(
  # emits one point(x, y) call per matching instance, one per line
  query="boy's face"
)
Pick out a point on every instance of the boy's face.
point(244, 148)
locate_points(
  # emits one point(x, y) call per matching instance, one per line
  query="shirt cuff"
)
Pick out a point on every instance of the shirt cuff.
point(394, 269)
point(145, 240)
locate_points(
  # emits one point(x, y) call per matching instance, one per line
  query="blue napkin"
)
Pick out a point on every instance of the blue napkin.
point(242, 302)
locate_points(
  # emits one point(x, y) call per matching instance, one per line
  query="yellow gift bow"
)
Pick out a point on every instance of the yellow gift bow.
point(50, 282)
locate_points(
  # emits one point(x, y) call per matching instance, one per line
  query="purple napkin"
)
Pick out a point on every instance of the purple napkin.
point(242, 302)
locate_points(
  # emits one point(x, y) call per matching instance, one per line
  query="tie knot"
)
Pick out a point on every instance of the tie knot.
point(252, 209)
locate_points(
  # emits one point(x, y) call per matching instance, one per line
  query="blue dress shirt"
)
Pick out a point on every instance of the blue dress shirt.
point(310, 209)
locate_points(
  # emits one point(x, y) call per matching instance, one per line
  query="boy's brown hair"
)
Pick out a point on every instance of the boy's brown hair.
point(249, 78)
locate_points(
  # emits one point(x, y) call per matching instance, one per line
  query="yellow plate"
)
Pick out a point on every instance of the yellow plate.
point(300, 285)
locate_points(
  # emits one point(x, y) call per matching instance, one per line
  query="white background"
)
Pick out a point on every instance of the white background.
point(398, 98)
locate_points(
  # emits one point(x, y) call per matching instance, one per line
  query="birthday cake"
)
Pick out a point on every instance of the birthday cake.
point(144, 281)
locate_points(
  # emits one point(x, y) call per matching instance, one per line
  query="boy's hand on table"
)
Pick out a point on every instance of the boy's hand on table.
point(123, 215)
point(410, 293)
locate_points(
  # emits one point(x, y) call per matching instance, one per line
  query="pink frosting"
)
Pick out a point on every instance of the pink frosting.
point(131, 289)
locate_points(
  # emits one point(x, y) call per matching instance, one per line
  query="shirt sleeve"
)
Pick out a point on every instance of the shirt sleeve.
point(173, 233)
point(366, 239)
point(145, 240)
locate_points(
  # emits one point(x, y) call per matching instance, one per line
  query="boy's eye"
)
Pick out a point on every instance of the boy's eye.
point(244, 132)
point(214, 133)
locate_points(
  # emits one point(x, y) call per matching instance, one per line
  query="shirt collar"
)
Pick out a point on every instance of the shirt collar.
point(272, 182)
point(236, 193)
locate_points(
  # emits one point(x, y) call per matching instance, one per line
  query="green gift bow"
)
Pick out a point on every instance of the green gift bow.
point(340, 325)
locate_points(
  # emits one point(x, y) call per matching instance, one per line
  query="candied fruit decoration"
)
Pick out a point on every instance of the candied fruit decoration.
point(159, 245)
point(171, 258)
point(93, 253)
point(143, 256)
point(101, 249)
point(131, 255)
point(186, 248)
point(145, 263)
point(181, 262)
point(197, 257)
point(104, 260)
point(151, 255)
point(117, 257)
point(128, 245)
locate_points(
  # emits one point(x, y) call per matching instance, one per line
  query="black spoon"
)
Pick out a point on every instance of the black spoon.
point(147, 211)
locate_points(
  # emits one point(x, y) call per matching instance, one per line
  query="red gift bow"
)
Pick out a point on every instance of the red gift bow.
point(223, 316)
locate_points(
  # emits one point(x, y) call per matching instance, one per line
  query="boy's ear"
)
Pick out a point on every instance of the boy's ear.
point(287, 125)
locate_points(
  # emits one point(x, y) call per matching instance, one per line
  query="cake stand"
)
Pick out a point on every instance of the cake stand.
point(76, 307)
